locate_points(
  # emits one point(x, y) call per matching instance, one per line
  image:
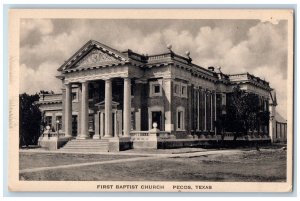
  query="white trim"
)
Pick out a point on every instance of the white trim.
point(152, 84)
point(48, 114)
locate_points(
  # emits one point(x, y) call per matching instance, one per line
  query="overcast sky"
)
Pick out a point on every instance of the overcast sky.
point(237, 46)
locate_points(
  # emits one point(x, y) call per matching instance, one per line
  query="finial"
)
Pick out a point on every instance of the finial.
point(187, 53)
point(169, 46)
point(154, 125)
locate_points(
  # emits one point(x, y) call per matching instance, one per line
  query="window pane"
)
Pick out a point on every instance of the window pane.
point(73, 96)
point(176, 89)
point(179, 119)
point(48, 121)
point(156, 88)
point(59, 124)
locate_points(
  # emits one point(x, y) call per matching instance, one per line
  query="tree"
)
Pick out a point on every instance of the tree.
point(30, 119)
point(243, 112)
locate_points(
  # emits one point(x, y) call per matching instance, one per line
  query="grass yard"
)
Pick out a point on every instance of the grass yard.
point(268, 165)
point(33, 160)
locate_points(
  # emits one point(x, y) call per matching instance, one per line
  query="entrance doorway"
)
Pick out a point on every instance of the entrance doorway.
point(116, 123)
point(74, 125)
point(157, 117)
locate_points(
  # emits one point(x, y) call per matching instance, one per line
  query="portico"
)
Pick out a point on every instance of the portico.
point(104, 119)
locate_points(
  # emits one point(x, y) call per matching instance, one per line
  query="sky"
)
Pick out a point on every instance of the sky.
point(237, 46)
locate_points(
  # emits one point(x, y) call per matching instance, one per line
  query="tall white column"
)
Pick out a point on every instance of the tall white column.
point(211, 112)
point(108, 108)
point(198, 109)
point(127, 106)
point(96, 124)
point(84, 134)
point(205, 94)
point(68, 111)
point(215, 104)
point(101, 124)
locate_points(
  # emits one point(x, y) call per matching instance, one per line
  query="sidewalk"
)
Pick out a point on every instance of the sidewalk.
point(131, 152)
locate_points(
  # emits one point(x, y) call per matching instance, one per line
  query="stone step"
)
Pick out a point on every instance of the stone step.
point(88, 148)
point(85, 150)
point(83, 147)
point(99, 143)
point(88, 145)
point(88, 141)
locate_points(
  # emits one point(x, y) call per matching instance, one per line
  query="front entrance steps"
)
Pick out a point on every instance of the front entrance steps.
point(87, 145)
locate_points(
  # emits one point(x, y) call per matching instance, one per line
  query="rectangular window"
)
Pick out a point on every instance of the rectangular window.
point(58, 122)
point(74, 96)
point(176, 90)
point(184, 91)
point(48, 121)
point(180, 89)
point(155, 88)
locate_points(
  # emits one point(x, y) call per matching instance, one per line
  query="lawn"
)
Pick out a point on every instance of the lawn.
point(268, 165)
point(33, 160)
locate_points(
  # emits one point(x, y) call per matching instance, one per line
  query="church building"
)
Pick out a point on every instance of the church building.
point(123, 99)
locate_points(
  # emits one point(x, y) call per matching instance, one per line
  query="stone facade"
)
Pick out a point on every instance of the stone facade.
point(111, 94)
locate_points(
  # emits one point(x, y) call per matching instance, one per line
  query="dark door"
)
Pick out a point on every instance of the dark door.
point(74, 125)
point(113, 124)
point(156, 117)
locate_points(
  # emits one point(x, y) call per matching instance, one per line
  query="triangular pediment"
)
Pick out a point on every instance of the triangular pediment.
point(94, 58)
point(102, 103)
point(94, 54)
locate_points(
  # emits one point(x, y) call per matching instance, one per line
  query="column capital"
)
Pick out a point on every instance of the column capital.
point(127, 78)
point(68, 83)
point(107, 79)
point(84, 82)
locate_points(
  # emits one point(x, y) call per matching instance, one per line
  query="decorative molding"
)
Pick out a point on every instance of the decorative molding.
point(93, 57)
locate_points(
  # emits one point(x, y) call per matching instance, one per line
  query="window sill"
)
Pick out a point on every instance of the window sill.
point(154, 95)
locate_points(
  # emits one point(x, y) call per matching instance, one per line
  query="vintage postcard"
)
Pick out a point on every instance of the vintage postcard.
point(145, 100)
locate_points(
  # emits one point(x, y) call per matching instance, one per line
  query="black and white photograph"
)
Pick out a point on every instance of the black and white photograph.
point(151, 100)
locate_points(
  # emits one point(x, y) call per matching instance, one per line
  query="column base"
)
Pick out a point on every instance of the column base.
point(189, 136)
point(96, 137)
point(82, 137)
point(107, 137)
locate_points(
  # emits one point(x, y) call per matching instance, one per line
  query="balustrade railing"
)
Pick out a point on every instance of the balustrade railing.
point(160, 134)
point(53, 134)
